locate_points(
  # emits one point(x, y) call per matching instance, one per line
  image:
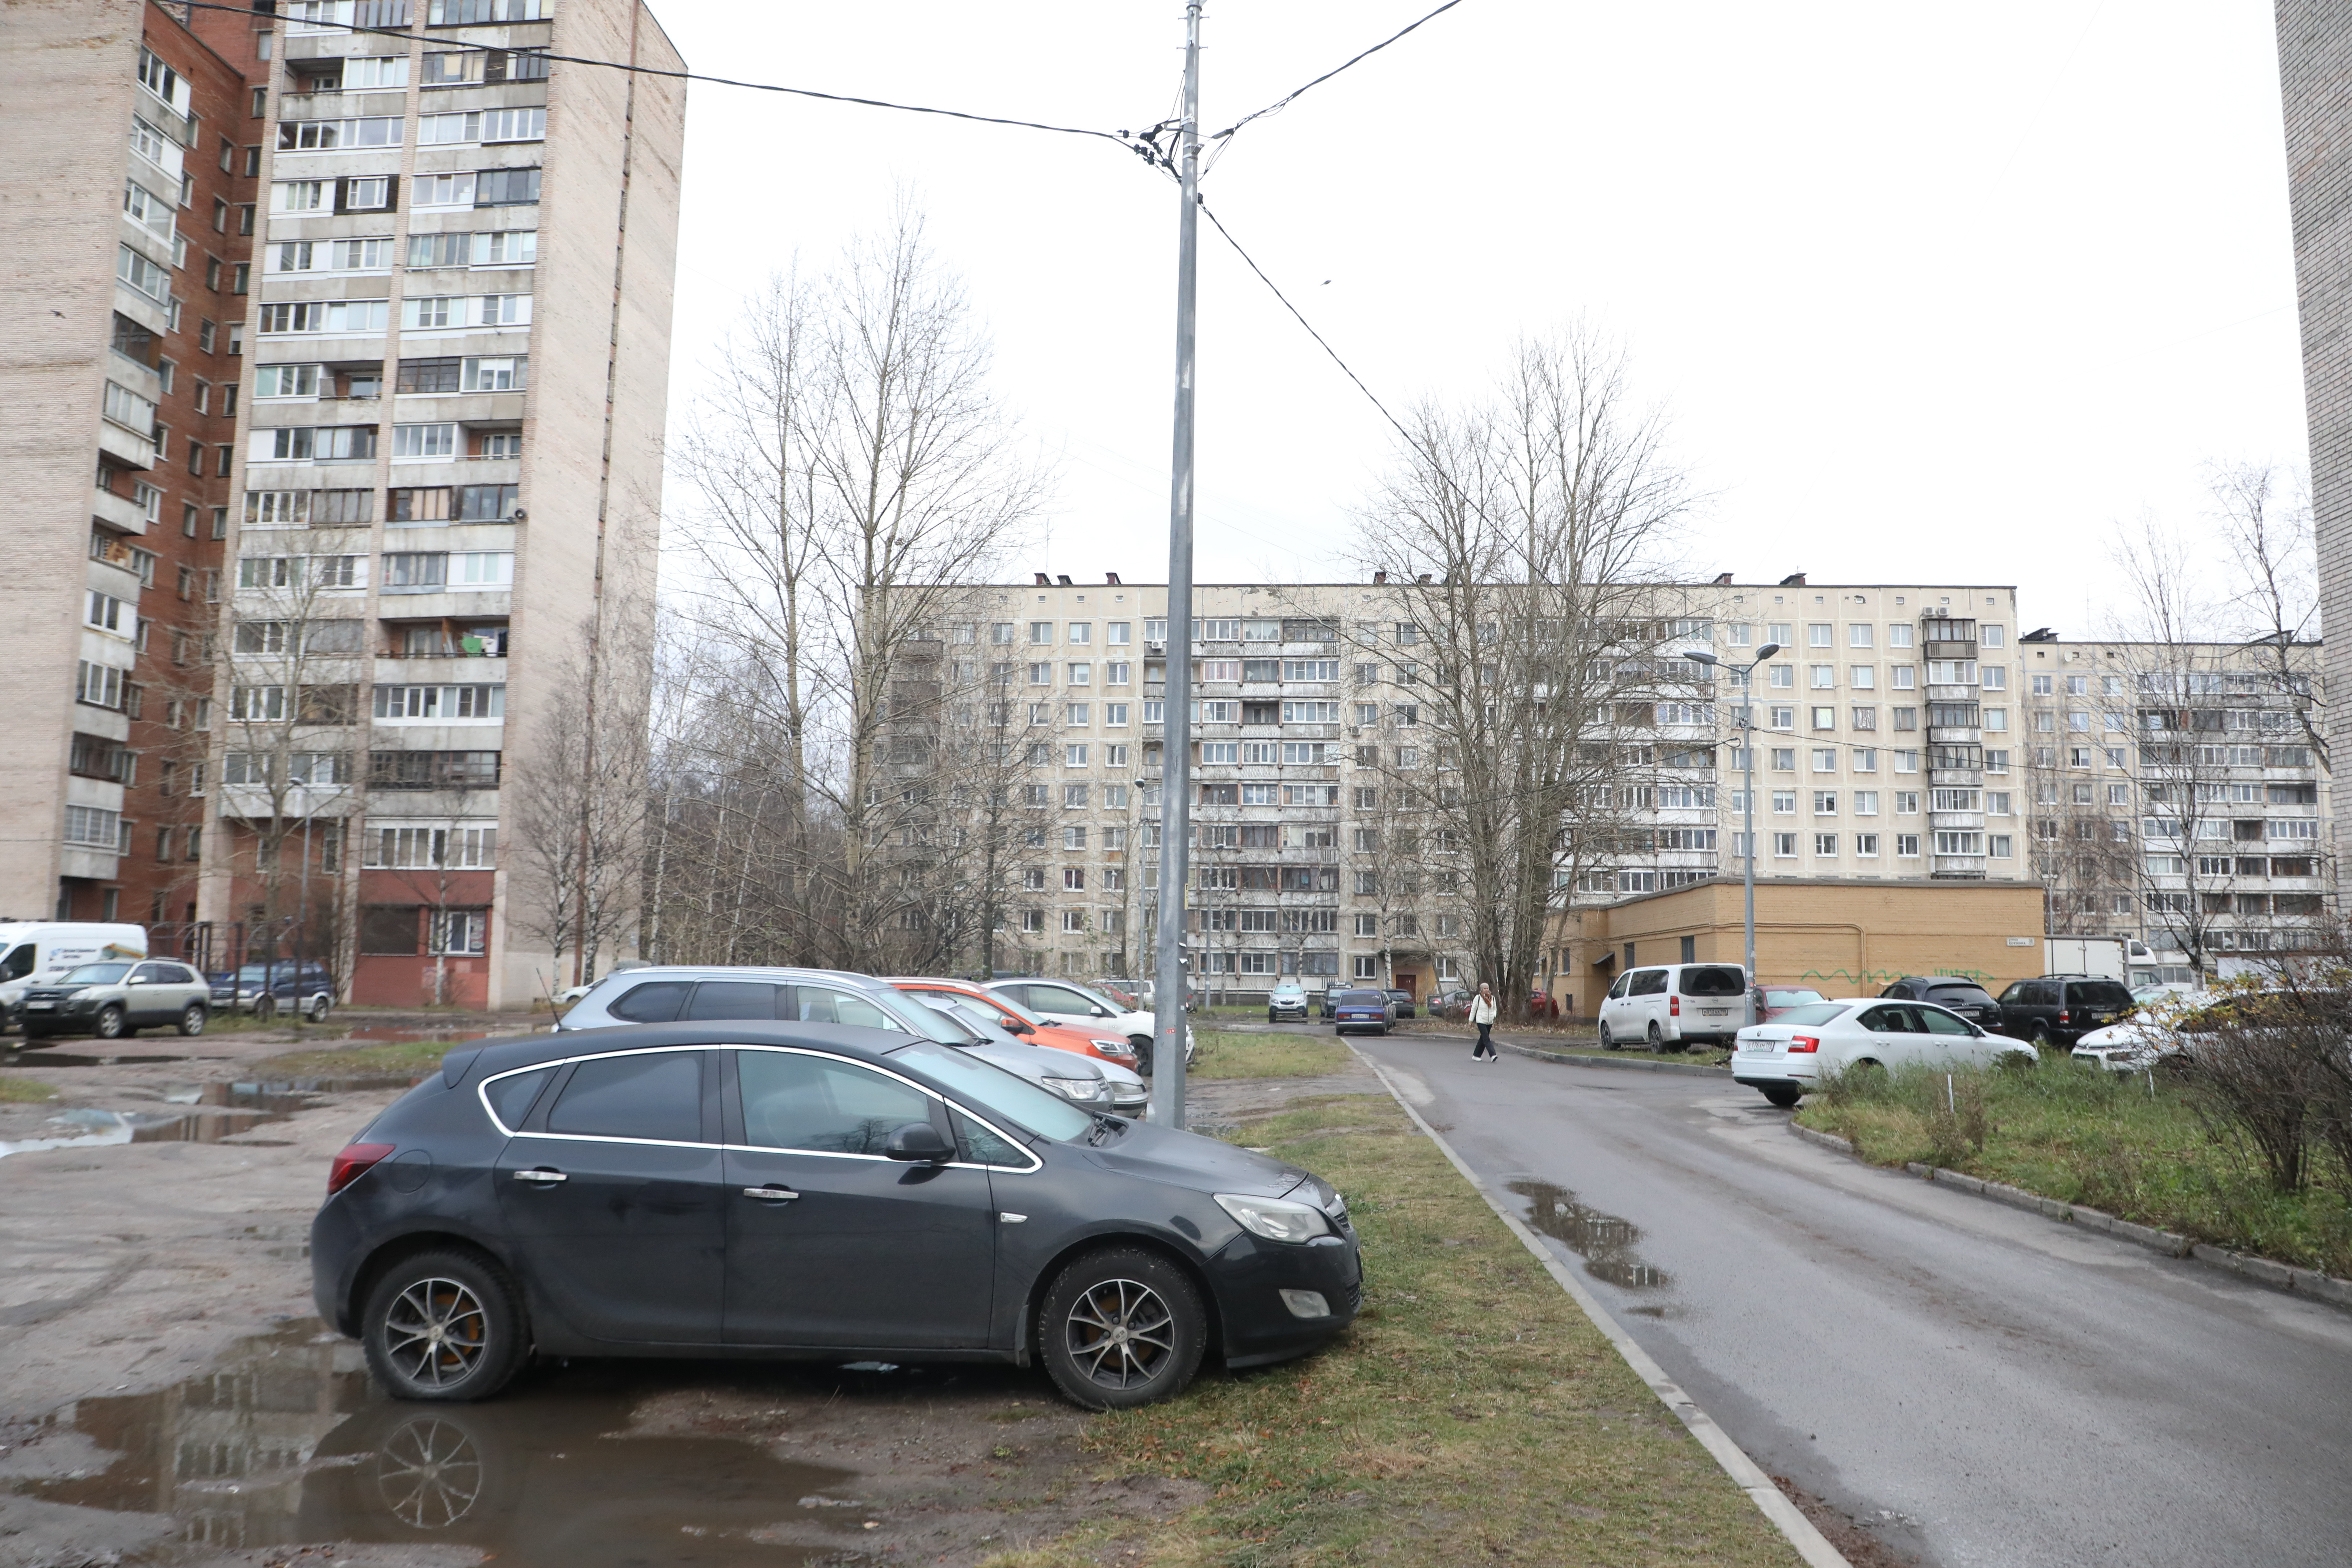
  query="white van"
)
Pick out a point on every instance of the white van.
point(30, 949)
point(1671, 1006)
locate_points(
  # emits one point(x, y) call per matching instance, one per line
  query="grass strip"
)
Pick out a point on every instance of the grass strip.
point(355, 1060)
point(1224, 1054)
point(25, 1090)
point(2109, 1140)
point(1472, 1414)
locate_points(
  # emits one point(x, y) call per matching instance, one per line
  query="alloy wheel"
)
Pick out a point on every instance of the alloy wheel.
point(435, 1332)
point(1120, 1333)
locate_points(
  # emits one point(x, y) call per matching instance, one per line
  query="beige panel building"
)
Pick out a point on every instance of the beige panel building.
point(447, 506)
point(1884, 750)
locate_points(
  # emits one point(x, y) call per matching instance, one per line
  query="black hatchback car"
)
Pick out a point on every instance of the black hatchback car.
point(1953, 993)
point(2060, 1009)
point(811, 1191)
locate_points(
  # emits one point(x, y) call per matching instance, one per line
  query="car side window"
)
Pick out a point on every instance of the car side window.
point(2017, 993)
point(18, 963)
point(739, 999)
point(1054, 999)
point(822, 1105)
point(982, 1147)
point(151, 975)
point(1649, 982)
point(655, 1002)
point(654, 1094)
point(512, 1097)
point(1939, 1022)
point(1619, 989)
point(822, 1005)
point(1895, 1021)
point(184, 975)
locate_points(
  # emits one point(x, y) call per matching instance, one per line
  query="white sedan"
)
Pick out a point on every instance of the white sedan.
point(1804, 1045)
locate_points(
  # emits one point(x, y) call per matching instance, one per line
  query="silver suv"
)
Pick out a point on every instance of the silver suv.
point(118, 998)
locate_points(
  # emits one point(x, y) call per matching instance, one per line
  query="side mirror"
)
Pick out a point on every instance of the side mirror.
point(1020, 1026)
point(919, 1142)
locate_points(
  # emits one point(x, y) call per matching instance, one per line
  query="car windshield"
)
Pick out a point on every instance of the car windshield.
point(1816, 1013)
point(97, 975)
point(2100, 994)
point(925, 1023)
point(1091, 995)
point(968, 1013)
point(1718, 981)
point(993, 1088)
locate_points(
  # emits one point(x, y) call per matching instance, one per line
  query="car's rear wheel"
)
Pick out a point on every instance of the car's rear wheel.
point(443, 1326)
point(111, 1025)
point(191, 1018)
point(2041, 1037)
point(1784, 1095)
point(1657, 1038)
point(1120, 1327)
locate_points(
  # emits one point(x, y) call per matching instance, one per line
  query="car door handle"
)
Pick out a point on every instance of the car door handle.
point(771, 1195)
point(544, 1178)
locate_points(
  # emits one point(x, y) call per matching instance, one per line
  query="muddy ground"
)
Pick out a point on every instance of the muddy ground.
point(167, 1397)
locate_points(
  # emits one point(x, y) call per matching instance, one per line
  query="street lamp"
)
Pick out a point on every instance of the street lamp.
point(1748, 795)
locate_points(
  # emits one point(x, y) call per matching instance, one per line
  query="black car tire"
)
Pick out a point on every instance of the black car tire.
point(111, 1025)
point(1608, 1041)
point(191, 1018)
point(1657, 1038)
point(443, 1326)
point(1142, 1044)
point(317, 1010)
point(1104, 1303)
point(1784, 1095)
point(264, 1007)
point(2040, 1038)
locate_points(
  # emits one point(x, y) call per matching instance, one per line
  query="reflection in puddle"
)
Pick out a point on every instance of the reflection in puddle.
point(406, 1038)
point(288, 1442)
point(69, 1060)
point(1602, 1240)
point(216, 1111)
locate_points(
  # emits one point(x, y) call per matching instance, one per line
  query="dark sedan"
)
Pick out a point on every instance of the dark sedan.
point(1952, 993)
point(811, 1191)
point(1403, 1000)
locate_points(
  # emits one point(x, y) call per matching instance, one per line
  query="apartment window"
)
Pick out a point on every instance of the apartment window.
point(1825, 844)
point(1782, 718)
point(1784, 758)
point(1784, 846)
point(416, 441)
point(1865, 717)
point(2000, 846)
point(1906, 803)
point(1819, 634)
point(1783, 676)
point(506, 187)
point(326, 135)
point(1826, 802)
point(1906, 846)
point(1824, 717)
point(1825, 759)
point(1784, 802)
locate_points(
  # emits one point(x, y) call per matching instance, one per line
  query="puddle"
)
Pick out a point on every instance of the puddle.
point(1602, 1240)
point(286, 1441)
point(216, 1111)
point(22, 1058)
point(406, 1037)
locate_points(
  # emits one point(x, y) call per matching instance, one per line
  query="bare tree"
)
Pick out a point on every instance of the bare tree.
point(1524, 535)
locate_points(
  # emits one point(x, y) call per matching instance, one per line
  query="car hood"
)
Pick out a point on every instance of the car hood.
point(1036, 1061)
point(1188, 1160)
point(2130, 1035)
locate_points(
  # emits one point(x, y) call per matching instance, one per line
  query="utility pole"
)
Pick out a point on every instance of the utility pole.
point(1175, 747)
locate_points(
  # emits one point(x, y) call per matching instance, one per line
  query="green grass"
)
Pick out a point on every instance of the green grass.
point(1471, 1415)
point(2098, 1139)
point(25, 1090)
point(1225, 1055)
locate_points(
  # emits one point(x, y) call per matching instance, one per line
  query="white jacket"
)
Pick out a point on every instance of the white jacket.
point(1482, 1010)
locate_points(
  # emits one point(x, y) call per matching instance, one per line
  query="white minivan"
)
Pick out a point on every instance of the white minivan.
point(30, 949)
point(1667, 1006)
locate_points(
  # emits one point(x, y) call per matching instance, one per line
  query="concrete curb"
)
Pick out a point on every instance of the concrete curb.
point(1744, 1471)
point(1633, 1064)
point(2283, 1276)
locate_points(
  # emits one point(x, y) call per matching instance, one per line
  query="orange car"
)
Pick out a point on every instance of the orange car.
point(1008, 1015)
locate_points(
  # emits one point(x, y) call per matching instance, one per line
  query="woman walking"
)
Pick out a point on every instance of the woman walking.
point(1481, 1014)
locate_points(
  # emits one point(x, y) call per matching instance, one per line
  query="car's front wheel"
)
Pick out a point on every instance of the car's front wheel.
point(1120, 1327)
point(443, 1326)
point(317, 1010)
point(1608, 1041)
point(264, 1007)
point(1142, 1044)
point(111, 1025)
point(191, 1018)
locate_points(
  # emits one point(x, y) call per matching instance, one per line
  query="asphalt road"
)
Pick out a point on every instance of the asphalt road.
point(1975, 1385)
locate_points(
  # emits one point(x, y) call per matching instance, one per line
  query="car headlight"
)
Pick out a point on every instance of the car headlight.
point(1085, 1091)
point(1113, 1048)
point(1276, 1219)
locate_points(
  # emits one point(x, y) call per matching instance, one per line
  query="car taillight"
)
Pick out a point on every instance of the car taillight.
point(1805, 1042)
point(352, 1163)
point(2062, 1015)
point(1673, 1006)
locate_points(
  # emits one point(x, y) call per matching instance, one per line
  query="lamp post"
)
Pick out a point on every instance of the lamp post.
point(1747, 792)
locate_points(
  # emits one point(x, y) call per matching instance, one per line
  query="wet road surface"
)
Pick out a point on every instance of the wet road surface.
point(1973, 1384)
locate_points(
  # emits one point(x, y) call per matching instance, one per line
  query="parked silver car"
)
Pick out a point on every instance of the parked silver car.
point(116, 998)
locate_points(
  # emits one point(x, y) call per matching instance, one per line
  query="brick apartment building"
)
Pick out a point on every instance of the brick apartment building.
point(130, 205)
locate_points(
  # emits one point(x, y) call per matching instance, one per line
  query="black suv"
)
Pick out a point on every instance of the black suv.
point(2059, 1009)
point(1950, 992)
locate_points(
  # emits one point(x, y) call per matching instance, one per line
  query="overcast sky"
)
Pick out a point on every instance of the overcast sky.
point(1931, 295)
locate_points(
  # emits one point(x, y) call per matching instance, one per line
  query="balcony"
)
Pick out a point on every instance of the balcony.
point(118, 512)
point(1959, 868)
point(130, 450)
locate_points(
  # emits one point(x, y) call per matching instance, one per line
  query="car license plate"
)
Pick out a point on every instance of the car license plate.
point(38, 1006)
point(1714, 1012)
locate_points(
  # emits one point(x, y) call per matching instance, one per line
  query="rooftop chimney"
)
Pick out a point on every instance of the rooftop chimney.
point(1793, 580)
point(1423, 578)
point(1064, 579)
point(1380, 576)
point(1112, 578)
point(1043, 580)
point(1723, 579)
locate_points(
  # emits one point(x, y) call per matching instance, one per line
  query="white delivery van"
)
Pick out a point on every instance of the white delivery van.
point(1671, 1007)
point(30, 949)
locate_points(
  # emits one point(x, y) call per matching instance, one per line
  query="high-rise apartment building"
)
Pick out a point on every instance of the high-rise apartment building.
point(2175, 794)
point(129, 205)
point(2314, 40)
point(1885, 736)
point(442, 504)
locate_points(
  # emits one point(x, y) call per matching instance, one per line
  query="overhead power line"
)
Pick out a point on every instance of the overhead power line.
point(1284, 102)
point(1122, 138)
